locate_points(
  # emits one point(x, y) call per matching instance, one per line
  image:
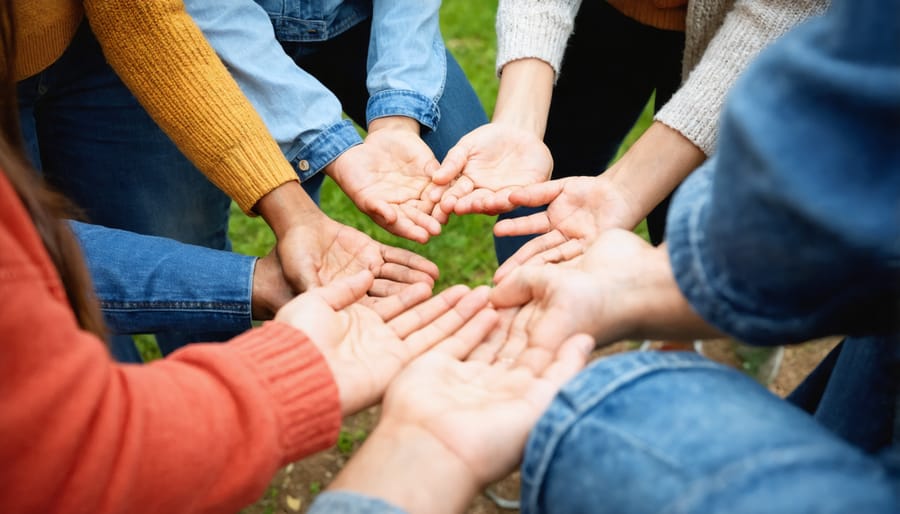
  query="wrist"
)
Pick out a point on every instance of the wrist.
point(395, 123)
point(286, 206)
point(523, 97)
point(408, 467)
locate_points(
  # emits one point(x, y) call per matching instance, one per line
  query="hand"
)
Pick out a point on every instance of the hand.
point(449, 428)
point(321, 250)
point(387, 177)
point(595, 294)
point(579, 209)
point(366, 348)
point(488, 164)
point(270, 289)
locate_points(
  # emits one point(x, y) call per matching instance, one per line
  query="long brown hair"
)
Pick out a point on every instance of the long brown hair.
point(48, 209)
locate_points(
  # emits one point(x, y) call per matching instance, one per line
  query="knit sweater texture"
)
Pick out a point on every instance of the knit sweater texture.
point(163, 58)
point(721, 38)
point(201, 431)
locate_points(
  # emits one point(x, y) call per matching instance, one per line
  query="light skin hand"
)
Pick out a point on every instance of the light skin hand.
point(619, 198)
point(365, 348)
point(509, 152)
point(578, 210)
point(622, 287)
point(387, 178)
point(314, 250)
point(489, 163)
point(453, 427)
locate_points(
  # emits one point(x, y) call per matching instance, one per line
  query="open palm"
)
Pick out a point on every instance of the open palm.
point(489, 163)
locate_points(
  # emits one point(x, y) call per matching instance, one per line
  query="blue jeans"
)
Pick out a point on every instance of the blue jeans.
point(92, 140)
point(589, 118)
point(675, 432)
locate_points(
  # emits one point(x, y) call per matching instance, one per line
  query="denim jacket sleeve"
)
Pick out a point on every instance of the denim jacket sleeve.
point(407, 62)
point(792, 230)
point(304, 117)
point(146, 284)
point(342, 502)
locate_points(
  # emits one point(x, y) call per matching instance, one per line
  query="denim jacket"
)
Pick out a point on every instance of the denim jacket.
point(406, 66)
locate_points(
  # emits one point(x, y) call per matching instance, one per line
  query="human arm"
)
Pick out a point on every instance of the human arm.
point(137, 278)
point(781, 181)
point(621, 288)
point(717, 50)
point(580, 208)
point(451, 428)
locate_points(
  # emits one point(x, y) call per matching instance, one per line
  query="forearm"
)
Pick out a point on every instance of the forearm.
point(408, 468)
point(750, 26)
point(162, 57)
point(523, 99)
point(652, 168)
point(652, 306)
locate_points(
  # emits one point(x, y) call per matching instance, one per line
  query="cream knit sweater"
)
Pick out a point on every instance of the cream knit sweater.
point(721, 38)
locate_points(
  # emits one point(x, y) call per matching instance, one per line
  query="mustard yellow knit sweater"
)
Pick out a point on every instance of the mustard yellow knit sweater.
point(163, 58)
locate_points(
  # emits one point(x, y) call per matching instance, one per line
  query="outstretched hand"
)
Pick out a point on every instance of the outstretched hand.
point(321, 250)
point(579, 209)
point(387, 177)
point(365, 347)
point(487, 164)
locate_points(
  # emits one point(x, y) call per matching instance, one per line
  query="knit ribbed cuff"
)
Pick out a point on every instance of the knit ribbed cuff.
point(251, 171)
point(533, 32)
point(300, 382)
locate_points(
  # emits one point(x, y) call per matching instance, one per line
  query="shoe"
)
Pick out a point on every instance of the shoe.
point(503, 503)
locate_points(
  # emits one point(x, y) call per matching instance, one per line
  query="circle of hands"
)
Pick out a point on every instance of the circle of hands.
point(472, 369)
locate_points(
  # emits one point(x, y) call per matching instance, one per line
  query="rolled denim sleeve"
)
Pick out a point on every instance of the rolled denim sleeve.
point(304, 117)
point(407, 61)
point(792, 230)
point(148, 284)
point(342, 502)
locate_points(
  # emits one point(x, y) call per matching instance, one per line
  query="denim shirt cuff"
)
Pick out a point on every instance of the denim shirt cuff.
point(711, 290)
point(344, 502)
point(309, 159)
point(398, 102)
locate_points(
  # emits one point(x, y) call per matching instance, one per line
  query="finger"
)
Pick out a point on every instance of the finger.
point(382, 288)
point(449, 322)
point(464, 340)
point(530, 249)
point(487, 350)
point(409, 259)
point(537, 223)
point(346, 290)
point(399, 301)
point(403, 275)
point(459, 189)
point(517, 339)
point(452, 166)
point(520, 287)
point(434, 192)
point(536, 359)
point(405, 227)
point(381, 211)
point(535, 195)
point(498, 202)
point(560, 253)
point(472, 202)
point(570, 359)
point(439, 214)
point(422, 314)
point(422, 219)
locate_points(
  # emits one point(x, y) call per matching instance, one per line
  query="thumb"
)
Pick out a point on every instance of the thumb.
point(346, 290)
point(521, 286)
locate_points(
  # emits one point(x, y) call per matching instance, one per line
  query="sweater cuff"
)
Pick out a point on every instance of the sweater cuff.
point(301, 384)
point(252, 170)
point(539, 32)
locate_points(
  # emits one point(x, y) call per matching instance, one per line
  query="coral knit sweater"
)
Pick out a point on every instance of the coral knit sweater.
point(202, 431)
point(163, 58)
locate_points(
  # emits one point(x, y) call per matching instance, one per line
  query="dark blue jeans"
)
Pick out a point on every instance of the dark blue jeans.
point(589, 118)
point(94, 142)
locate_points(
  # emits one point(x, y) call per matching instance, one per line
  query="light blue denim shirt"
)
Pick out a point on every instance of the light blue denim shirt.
point(406, 66)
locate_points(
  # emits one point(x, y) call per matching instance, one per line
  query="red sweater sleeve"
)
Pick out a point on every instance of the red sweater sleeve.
point(201, 431)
